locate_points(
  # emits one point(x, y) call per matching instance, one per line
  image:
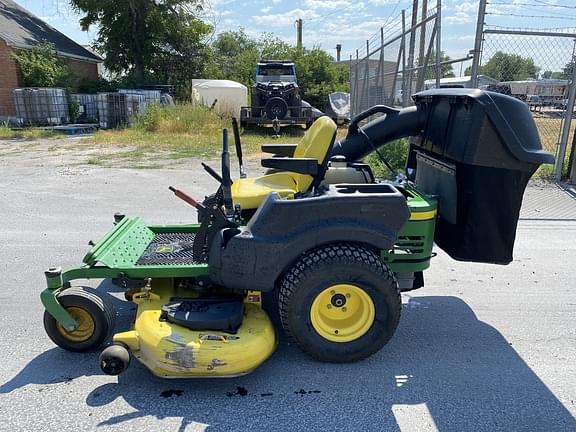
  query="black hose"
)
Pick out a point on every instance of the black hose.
point(373, 135)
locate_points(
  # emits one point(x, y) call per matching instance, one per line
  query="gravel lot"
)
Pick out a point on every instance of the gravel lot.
point(481, 348)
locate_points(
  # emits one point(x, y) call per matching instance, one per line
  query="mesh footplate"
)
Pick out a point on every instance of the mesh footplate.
point(168, 249)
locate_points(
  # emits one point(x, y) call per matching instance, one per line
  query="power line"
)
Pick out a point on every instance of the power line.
point(569, 17)
point(540, 3)
point(553, 5)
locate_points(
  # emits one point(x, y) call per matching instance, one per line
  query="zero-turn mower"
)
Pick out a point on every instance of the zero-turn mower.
point(338, 245)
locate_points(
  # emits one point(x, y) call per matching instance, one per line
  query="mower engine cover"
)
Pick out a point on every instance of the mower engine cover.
point(253, 257)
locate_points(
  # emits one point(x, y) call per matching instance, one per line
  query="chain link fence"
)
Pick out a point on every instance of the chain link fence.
point(397, 61)
point(535, 67)
point(534, 64)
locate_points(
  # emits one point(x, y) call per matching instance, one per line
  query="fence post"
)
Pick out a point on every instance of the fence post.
point(403, 44)
point(438, 23)
point(567, 122)
point(478, 44)
point(423, 66)
point(412, 46)
point(381, 69)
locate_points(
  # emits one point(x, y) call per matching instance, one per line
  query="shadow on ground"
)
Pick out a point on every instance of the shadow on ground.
point(463, 370)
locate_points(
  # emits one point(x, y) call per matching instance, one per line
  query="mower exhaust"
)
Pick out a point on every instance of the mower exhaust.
point(114, 360)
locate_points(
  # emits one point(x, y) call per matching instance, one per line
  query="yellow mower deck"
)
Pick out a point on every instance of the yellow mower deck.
point(172, 351)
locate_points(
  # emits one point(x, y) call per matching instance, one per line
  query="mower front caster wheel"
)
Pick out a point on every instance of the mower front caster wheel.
point(339, 303)
point(114, 360)
point(95, 318)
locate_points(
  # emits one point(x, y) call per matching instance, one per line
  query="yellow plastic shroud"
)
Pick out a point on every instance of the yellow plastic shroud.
point(173, 351)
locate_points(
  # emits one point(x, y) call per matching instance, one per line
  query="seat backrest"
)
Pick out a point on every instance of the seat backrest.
point(316, 144)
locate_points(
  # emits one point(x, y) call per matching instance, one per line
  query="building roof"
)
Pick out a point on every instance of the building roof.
point(21, 29)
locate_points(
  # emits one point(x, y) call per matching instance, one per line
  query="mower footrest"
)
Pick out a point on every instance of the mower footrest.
point(205, 314)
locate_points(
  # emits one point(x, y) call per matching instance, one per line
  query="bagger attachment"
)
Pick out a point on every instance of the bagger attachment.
point(475, 151)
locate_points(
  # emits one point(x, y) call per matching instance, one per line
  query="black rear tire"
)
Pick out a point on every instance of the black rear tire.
point(97, 320)
point(329, 266)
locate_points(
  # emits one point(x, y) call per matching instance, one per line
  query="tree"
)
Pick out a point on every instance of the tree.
point(160, 40)
point(446, 70)
point(510, 67)
point(41, 67)
point(234, 56)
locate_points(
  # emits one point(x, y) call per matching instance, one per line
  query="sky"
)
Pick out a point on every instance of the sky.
point(351, 23)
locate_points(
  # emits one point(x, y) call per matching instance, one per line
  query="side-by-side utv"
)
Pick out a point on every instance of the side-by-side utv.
point(338, 245)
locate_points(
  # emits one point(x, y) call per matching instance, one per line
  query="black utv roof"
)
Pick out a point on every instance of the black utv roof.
point(275, 63)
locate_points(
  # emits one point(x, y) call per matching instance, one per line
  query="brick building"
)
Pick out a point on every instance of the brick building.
point(19, 29)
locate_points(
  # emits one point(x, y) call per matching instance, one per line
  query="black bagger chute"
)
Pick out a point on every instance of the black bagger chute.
point(476, 152)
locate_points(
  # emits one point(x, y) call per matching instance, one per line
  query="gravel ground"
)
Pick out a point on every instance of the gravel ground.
point(481, 348)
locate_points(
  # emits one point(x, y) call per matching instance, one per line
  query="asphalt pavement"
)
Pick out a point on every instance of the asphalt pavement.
point(480, 348)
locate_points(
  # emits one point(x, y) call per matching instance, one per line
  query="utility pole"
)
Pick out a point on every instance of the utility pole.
point(561, 154)
point(299, 33)
point(478, 44)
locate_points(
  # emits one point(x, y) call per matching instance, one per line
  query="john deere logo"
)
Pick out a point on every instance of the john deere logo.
point(164, 248)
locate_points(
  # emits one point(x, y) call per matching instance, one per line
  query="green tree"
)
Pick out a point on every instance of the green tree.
point(446, 70)
point(41, 67)
point(148, 40)
point(510, 67)
point(234, 56)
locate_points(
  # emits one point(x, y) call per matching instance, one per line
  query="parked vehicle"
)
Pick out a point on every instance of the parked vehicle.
point(276, 98)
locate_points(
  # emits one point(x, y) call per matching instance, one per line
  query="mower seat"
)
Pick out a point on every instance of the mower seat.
point(313, 149)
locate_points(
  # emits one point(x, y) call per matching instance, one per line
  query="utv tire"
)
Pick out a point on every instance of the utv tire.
point(276, 107)
point(339, 279)
point(94, 315)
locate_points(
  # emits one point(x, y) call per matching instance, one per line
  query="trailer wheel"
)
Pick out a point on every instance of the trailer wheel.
point(339, 303)
point(95, 319)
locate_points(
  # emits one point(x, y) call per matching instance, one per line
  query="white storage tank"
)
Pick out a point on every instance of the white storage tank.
point(41, 106)
point(226, 96)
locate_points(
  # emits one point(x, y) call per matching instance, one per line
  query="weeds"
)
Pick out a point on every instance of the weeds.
point(176, 132)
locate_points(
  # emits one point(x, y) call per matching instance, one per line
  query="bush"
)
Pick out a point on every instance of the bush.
point(181, 118)
point(41, 67)
point(395, 153)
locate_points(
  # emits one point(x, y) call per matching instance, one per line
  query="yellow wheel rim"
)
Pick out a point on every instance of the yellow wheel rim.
point(342, 313)
point(86, 325)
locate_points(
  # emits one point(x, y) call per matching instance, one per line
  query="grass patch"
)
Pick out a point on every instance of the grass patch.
point(549, 129)
point(7, 133)
point(176, 132)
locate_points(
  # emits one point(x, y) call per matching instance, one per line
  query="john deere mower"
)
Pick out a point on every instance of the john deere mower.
point(336, 244)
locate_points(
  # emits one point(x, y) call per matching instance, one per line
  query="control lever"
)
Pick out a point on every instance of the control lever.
point(188, 199)
point(238, 144)
point(213, 173)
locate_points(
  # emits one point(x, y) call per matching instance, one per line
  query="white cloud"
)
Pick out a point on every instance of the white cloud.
point(266, 9)
point(285, 18)
point(327, 4)
point(381, 2)
point(464, 13)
